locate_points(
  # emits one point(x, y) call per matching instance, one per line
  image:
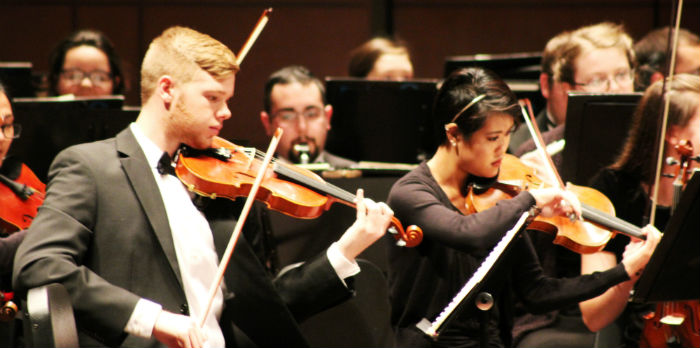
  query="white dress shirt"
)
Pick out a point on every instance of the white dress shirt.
point(194, 246)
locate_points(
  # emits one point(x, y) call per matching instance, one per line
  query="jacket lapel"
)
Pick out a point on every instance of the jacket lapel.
point(141, 178)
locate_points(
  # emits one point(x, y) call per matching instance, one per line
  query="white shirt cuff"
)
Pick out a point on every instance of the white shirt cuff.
point(343, 267)
point(143, 319)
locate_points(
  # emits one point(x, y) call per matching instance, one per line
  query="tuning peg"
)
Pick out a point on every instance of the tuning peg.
point(8, 311)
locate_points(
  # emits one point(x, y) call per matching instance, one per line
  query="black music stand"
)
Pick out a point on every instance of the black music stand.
point(17, 78)
point(517, 66)
point(383, 121)
point(596, 129)
point(521, 71)
point(673, 272)
point(50, 125)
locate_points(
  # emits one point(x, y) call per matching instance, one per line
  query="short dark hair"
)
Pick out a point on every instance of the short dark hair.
point(287, 75)
point(86, 37)
point(460, 89)
point(362, 58)
point(652, 56)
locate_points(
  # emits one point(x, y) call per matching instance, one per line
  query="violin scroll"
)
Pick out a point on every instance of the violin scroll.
point(410, 237)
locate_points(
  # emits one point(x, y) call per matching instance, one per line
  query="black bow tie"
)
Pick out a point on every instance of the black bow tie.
point(165, 165)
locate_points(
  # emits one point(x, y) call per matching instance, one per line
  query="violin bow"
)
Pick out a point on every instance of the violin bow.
point(539, 143)
point(254, 190)
point(664, 118)
point(239, 224)
point(253, 36)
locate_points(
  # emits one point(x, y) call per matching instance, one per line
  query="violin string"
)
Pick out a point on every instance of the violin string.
point(319, 185)
point(323, 186)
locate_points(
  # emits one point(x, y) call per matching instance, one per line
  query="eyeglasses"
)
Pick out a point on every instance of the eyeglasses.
point(603, 83)
point(310, 114)
point(11, 130)
point(98, 77)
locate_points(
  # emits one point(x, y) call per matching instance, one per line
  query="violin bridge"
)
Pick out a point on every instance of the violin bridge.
point(672, 319)
point(250, 153)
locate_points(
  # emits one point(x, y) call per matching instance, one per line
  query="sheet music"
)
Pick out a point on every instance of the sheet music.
point(431, 329)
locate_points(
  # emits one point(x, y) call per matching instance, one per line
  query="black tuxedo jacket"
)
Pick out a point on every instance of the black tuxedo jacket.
point(103, 233)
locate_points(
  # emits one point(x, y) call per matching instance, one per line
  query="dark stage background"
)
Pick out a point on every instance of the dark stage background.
point(318, 34)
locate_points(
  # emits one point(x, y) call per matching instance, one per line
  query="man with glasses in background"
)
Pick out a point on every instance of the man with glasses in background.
point(294, 100)
point(595, 58)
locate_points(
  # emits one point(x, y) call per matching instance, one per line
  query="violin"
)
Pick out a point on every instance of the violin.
point(675, 322)
point(588, 236)
point(228, 170)
point(19, 199)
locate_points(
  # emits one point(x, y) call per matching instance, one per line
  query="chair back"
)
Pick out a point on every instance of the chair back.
point(48, 318)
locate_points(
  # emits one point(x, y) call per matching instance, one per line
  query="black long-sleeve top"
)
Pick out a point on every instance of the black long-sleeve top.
point(424, 279)
point(630, 201)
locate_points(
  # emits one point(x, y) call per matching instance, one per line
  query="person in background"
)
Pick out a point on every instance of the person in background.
point(474, 115)
point(17, 184)
point(626, 182)
point(138, 258)
point(85, 64)
point(11, 168)
point(652, 57)
point(594, 58)
point(294, 100)
point(381, 59)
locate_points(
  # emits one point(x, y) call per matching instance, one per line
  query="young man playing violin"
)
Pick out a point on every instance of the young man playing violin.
point(135, 254)
point(475, 113)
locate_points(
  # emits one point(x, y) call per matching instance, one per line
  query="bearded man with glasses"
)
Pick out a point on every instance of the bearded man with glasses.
point(294, 100)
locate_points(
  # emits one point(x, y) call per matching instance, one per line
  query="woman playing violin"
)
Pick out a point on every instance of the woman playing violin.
point(16, 213)
point(475, 112)
point(626, 183)
point(21, 193)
